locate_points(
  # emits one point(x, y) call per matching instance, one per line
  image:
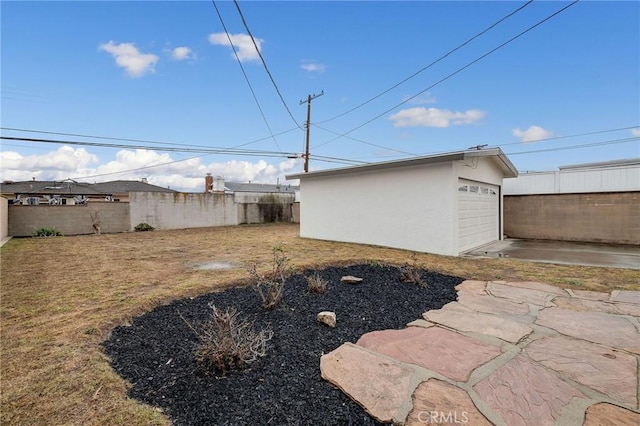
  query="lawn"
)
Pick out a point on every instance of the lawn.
point(61, 296)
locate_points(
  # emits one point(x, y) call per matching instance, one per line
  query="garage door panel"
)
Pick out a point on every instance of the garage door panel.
point(478, 214)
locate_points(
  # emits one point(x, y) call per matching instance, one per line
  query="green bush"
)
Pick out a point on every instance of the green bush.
point(47, 232)
point(143, 227)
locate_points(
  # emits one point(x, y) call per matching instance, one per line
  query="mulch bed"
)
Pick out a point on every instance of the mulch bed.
point(155, 353)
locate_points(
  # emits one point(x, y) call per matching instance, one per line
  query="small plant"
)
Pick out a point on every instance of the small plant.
point(47, 232)
point(228, 341)
point(271, 287)
point(143, 227)
point(410, 273)
point(316, 284)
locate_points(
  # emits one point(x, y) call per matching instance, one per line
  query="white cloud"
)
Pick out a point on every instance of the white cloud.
point(186, 175)
point(312, 66)
point(244, 46)
point(636, 132)
point(532, 134)
point(435, 117)
point(127, 56)
point(182, 53)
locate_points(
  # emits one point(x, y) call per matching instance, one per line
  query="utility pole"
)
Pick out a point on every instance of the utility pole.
point(306, 150)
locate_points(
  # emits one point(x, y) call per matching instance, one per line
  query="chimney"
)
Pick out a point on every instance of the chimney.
point(218, 184)
point(144, 180)
point(208, 183)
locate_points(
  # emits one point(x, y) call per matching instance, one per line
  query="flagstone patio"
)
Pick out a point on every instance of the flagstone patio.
point(504, 353)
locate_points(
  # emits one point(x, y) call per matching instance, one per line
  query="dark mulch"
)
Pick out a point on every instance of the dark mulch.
point(155, 354)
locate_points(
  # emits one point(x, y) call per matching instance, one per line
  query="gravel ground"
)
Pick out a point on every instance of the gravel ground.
point(155, 353)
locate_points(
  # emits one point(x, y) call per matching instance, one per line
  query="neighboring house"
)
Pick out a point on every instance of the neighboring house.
point(70, 192)
point(594, 202)
point(444, 204)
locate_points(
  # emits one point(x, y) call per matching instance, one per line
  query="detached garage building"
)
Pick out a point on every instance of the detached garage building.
point(444, 204)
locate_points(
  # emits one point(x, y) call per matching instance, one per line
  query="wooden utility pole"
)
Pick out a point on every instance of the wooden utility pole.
point(306, 150)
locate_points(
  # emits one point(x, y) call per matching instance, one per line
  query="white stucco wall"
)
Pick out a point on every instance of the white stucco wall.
point(409, 208)
point(412, 208)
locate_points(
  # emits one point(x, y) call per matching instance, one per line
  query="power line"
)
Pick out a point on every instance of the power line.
point(572, 136)
point(244, 22)
point(455, 72)
point(364, 142)
point(586, 145)
point(430, 65)
point(235, 53)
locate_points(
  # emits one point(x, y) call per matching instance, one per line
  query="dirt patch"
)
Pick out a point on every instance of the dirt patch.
point(155, 354)
point(213, 266)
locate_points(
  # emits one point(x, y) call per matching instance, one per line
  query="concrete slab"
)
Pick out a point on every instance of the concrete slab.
point(572, 253)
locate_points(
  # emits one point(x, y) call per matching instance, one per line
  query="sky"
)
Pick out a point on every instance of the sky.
point(152, 89)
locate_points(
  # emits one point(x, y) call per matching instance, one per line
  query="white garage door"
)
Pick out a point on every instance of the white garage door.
point(478, 214)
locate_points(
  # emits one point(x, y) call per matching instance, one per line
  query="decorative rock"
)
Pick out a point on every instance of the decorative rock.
point(610, 330)
point(448, 353)
point(380, 385)
point(523, 392)
point(464, 319)
point(328, 318)
point(611, 372)
point(350, 279)
point(438, 402)
point(608, 414)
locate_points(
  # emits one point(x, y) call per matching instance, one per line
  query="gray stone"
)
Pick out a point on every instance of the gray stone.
point(611, 372)
point(619, 308)
point(350, 279)
point(492, 305)
point(523, 295)
point(472, 287)
point(328, 318)
point(626, 296)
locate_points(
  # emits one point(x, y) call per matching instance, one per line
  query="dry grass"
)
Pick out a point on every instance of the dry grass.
point(61, 296)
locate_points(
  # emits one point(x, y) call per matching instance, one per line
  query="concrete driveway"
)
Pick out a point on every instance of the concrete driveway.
point(589, 254)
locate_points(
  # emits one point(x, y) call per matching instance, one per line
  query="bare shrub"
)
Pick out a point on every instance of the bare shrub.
point(411, 273)
point(316, 284)
point(271, 287)
point(228, 341)
point(96, 222)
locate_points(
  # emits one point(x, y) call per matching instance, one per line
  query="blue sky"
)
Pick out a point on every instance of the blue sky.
point(161, 71)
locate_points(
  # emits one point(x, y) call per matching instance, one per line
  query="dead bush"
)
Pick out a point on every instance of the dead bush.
point(316, 284)
point(228, 341)
point(271, 287)
point(411, 273)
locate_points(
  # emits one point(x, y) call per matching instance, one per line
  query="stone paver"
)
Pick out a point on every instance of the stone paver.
point(597, 305)
point(613, 373)
point(438, 402)
point(491, 305)
point(522, 391)
point(465, 319)
point(598, 327)
point(446, 352)
point(570, 350)
point(608, 414)
point(474, 287)
point(520, 294)
point(377, 383)
point(626, 296)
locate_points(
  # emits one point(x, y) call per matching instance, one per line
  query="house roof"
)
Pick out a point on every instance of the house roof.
point(259, 187)
point(121, 186)
point(67, 187)
point(502, 161)
point(71, 187)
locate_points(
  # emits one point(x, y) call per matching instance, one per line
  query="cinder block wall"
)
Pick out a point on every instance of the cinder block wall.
point(70, 220)
point(596, 217)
